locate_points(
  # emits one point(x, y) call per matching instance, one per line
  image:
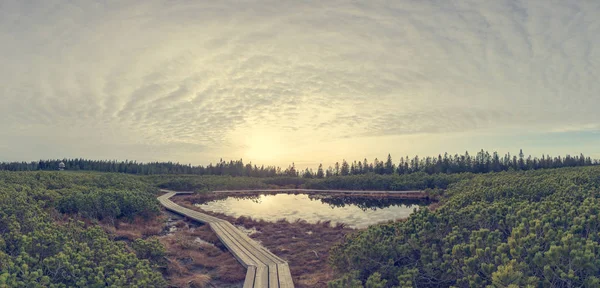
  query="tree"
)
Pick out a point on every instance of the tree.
point(307, 174)
point(521, 160)
point(345, 170)
point(320, 173)
point(291, 171)
point(329, 172)
point(389, 165)
point(378, 167)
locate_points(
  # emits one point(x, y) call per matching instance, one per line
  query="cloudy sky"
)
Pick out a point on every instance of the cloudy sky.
point(307, 81)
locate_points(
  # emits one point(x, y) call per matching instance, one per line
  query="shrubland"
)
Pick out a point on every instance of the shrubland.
point(536, 228)
point(508, 229)
point(36, 250)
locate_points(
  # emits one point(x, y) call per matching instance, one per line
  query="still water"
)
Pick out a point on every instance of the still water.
point(355, 212)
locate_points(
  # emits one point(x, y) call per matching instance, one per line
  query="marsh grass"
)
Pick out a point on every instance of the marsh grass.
point(195, 264)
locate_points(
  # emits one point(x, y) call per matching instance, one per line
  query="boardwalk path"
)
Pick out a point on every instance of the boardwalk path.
point(264, 268)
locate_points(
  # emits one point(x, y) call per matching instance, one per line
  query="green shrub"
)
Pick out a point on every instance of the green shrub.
point(525, 229)
point(36, 252)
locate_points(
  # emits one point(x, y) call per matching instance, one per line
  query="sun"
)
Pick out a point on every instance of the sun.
point(263, 146)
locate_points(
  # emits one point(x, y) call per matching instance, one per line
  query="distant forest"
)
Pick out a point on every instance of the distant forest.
point(482, 162)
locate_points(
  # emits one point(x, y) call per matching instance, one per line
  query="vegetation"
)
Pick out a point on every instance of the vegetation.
point(206, 183)
point(93, 195)
point(414, 181)
point(482, 162)
point(520, 229)
point(370, 181)
point(36, 250)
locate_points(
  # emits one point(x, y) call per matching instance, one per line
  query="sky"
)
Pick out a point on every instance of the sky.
point(275, 82)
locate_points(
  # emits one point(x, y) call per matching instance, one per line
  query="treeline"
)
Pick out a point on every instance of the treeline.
point(231, 168)
point(481, 162)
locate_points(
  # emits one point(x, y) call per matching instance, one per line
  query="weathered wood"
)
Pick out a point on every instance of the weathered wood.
point(241, 255)
point(285, 277)
point(264, 268)
point(273, 278)
point(238, 248)
point(262, 277)
point(249, 243)
point(250, 275)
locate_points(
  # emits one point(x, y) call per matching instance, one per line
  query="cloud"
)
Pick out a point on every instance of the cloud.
point(175, 74)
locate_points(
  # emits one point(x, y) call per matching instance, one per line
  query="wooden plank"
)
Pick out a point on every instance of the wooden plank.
point(239, 253)
point(231, 245)
point(250, 275)
point(255, 245)
point(250, 244)
point(261, 280)
point(285, 277)
point(226, 233)
point(273, 278)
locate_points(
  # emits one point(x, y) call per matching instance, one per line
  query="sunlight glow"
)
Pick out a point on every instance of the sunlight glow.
point(263, 146)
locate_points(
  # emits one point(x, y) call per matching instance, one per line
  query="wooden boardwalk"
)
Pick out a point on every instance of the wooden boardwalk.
point(265, 269)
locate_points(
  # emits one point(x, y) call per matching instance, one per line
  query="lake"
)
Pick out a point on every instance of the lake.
point(355, 212)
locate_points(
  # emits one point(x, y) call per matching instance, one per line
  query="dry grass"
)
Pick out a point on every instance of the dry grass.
point(187, 257)
point(174, 268)
point(194, 281)
point(200, 281)
point(131, 230)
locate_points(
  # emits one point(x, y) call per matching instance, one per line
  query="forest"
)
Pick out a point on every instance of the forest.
point(508, 229)
point(481, 162)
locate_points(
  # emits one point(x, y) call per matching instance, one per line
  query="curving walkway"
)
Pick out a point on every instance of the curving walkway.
point(265, 269)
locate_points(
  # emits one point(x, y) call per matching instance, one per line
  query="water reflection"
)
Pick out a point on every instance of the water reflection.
point(356, 212)
point(366, 203)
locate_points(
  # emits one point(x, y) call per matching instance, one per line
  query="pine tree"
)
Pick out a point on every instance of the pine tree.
point(345, 169)
point(521, 160)
point(320, 173)
point(389, 165)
